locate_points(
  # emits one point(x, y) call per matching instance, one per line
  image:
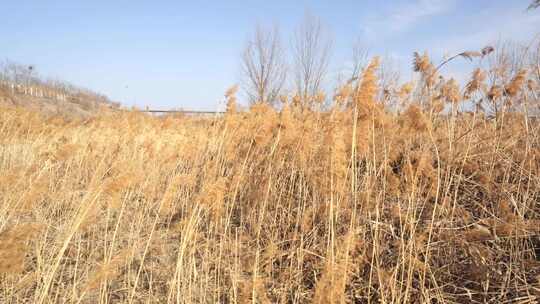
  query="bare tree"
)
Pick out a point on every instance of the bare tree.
point(264, 66)
point(311, 53)
point(388, 75)
point(360, 59)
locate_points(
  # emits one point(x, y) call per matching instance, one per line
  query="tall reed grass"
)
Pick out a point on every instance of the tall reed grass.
point(359, 203)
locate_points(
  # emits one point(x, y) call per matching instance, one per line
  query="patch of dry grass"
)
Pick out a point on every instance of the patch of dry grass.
point(356, 204)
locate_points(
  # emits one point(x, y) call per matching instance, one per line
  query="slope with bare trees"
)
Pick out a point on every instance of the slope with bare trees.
point(22, 86)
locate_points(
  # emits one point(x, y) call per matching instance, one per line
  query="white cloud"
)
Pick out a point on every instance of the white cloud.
point(516, 25)
point(402, 18)
point(462, 31)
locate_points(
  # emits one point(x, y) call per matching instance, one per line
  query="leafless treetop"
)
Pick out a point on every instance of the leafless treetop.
point(264, 66)
point(311, 53)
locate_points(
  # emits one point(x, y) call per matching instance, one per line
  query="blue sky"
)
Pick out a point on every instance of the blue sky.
point(166, 54)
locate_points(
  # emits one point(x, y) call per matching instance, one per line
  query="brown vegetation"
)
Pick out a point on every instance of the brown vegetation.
point(423, 202)
point(22, 86)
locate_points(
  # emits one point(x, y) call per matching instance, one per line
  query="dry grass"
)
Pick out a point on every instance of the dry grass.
point(356, 204)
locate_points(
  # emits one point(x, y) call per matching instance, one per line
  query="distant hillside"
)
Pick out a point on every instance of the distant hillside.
point(22, 86)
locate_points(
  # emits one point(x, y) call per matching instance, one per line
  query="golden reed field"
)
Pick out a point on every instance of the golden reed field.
point(399, 195)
